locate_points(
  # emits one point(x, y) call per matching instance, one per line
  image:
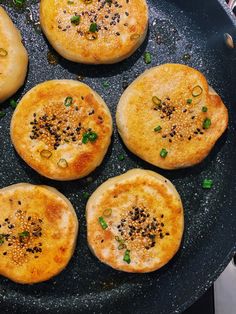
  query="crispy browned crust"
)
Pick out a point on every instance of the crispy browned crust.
point(27, 207)
point(49, 97)
point(136, 188)
point(13, 67)
point(181, 132)
point(114, 42)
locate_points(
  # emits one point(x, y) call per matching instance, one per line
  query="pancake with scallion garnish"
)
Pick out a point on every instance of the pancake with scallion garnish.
point(38, 231)
point(94, 31)
point(135, 221)
point(62, 129)
point(170, 117)
point(13, 57)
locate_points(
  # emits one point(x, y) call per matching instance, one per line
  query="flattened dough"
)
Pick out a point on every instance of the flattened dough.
point(38, 231)
point(13, 58)
point(119, 28)
point(135, 221)
point(62, 129)
point(158, 114)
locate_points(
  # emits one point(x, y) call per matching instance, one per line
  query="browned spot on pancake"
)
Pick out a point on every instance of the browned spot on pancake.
point(53, 212)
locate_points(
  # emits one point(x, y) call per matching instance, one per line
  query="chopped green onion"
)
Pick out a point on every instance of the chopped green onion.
point(204, 109)
point(45, 153)
point(85, 195)
point(62, 163)
point(197, 91)
point(103, 223)
point(19, 2)
point(105, 84)
point(189, 101)
point(3, 52)
point(163, 153)
point(127, 257)
point(93, 28)
point(186, 57)
point(13, 103)
point(24, 234)
point(89, 137)
point(121, 157)
point(75, 19)
point(158, 128)
point(207, 184)
point(206, 123)
point(108, 1)
point(156, 100)
point(2, 236)
point(147, 57)
point(68, 101)
point(70, 2)
point(121, 246)
point(134, 36)
point(107, 212)
point(2, 114)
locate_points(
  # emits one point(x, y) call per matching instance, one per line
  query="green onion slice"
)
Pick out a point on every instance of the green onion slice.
point(204, 109)
point(93, 28)
point(158, 128)
point(2, 114)
point(189, 101)
point(103, 223)
point(45, 153)
point(163, 153)
point(127, 257)
point(207, 184)
point(147, 57)
point(19, 2)
point(62, 163)
point(75, 19)
point(3, 52)
point(68, 101)
point(121, 157)
point(89, 137)
point(121, 246)
point(197, 91)
point(13, 103)
point(107, 212)
point(134, 36)
point(156, 100)
point(206, 123)
point(24, 234)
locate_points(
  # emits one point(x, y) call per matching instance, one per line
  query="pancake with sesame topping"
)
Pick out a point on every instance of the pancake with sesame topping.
point(13, 57)
point(94, 31)
point(170, 117)
point(62, 129)
point(38, 231)
point(135, 221)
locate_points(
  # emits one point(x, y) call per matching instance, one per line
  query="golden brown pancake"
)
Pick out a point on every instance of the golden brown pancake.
point(170, 117)
point(62, 129)
point(94, 31)
point(135, 221)
point(13, 57)
point(38, 231)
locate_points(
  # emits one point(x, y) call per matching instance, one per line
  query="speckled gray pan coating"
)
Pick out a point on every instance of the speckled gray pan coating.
point(86, 285)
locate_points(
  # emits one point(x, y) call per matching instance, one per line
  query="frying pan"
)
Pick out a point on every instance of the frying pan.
point(189, 32)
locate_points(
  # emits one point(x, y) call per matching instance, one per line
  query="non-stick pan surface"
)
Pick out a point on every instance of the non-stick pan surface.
point(189, 32)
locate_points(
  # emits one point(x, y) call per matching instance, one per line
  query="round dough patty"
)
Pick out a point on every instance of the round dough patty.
point(94, 31)
point(170, 117)
point(13, 57)
point(38, 231)
point(135, 221)
point(62, 129)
